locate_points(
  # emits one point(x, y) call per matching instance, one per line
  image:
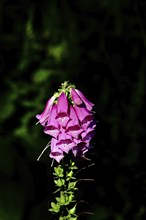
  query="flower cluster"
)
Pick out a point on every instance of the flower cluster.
point(68, 119)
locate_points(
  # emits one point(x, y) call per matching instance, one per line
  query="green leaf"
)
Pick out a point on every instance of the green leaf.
point(71, 197)
point(58, 171)
point(59, 182)
point(71, 185)
point(73, 167)
point(58, 199)
point(64, 199)
point(70, 174)
point(72, 210)
point(55, 207)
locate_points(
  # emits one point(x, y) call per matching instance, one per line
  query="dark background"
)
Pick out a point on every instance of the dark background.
point(99, 46)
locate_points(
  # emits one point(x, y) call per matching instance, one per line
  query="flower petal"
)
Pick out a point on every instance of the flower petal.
point(75, 97)
point(88, 134)
point(88, 104)
point(52, 127)
point(62, 110)
point(56, 153)
point(80, 148)
point(65, 142)
point(83, 114)
point(43, 117)
point(73, 127)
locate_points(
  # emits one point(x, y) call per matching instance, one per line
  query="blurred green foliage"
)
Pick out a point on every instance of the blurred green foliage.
point(100, 47)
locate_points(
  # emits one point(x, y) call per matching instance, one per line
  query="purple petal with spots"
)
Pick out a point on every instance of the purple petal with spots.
point(65, 142)
point(56, 153)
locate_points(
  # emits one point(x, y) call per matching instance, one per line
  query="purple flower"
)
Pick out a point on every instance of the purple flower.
point(80, 148)
point(79, 98)
point(88, 134)
point(52, 127)
point(62, 110)
point(56, 153)
point(75, 97)
point(73, 127)
point(83, 114)
point(89, 130)
point(65, 142)
point(43, 117)
point(69, 120)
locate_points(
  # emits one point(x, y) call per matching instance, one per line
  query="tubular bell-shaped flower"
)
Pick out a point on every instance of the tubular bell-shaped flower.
point(69, 120)
point(75, 97)
point(83, 114)
point(43, 117)
point(80, 148)
point(73, 127)
point(62, 110)
point(56, 153)
point(65, 142)
point(89, 131)
point(79, 99)
point(52, 127)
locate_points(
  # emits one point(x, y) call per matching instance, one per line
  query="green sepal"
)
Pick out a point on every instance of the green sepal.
point(70, 176)
point(59, 182)
point(65, 199)
point(73, 167)
point(70, 198)
point(71, 185)
point(58, 171)
point(72, 210)
point(55, 207)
